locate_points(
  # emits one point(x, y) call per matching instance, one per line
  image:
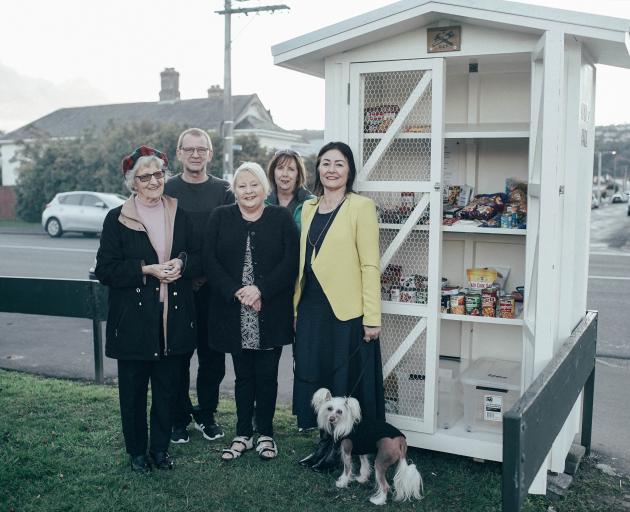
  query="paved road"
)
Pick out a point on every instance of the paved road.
point(36, 255)
point(64, 346)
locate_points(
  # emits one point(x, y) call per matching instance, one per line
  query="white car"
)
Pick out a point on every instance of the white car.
point(79, 211)
point(620, 197)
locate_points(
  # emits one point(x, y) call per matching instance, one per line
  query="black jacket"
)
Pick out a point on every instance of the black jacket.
point(133, 319)
point(274, 246)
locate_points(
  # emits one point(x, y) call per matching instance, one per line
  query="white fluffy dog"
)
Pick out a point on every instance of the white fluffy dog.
point(341, 418)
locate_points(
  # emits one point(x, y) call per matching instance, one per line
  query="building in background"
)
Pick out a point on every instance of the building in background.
point(250, 118)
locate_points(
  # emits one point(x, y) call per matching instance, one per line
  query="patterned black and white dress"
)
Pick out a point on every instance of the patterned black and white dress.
point(250, 331)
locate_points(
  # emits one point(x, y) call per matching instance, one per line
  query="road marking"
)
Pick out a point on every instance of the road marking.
point(616, 278)
point(627, 255)
point(41, 248)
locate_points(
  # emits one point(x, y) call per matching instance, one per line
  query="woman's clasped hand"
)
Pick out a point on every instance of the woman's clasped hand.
point(249, 296)
point(167, 272)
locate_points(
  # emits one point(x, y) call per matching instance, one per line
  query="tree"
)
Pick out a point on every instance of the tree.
point(92, 162)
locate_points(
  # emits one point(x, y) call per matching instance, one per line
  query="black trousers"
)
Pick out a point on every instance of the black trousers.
point(256, 383)
point(133, 382)
point(209, 374)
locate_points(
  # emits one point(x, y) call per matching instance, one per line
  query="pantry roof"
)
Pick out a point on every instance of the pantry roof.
point(606, 38)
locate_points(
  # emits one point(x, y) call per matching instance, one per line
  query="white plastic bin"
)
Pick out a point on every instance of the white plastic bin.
point(450, 405)
point(491, 387)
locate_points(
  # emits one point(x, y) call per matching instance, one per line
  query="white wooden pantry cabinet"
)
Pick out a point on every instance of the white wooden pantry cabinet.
point(517, 100)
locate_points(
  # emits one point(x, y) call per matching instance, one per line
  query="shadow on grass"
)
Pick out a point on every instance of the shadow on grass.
point(61, 448)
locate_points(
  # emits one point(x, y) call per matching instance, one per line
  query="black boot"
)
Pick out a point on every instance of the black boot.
point(321, 450)
point(330, 461)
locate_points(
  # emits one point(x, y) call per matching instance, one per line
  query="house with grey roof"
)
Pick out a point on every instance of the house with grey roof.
point(250, 118)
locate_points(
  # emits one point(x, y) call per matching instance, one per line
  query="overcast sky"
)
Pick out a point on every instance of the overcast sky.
point(76, 52)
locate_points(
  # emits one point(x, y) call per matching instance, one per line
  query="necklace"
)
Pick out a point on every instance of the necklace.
point(330, 216)
point(343, 198)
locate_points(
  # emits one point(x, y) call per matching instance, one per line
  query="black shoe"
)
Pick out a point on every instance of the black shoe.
point(330, 461)
point(140, 464)
point(321, 450)
point(210, 431)
point(179, 435)
point(162, 460)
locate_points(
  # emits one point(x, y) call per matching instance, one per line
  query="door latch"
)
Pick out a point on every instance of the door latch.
point(437, 186)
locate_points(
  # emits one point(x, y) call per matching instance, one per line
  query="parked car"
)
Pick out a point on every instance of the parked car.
point(80, 211)
point(620, 197)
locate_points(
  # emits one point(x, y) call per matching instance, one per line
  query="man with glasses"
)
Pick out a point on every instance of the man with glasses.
point(198, 194)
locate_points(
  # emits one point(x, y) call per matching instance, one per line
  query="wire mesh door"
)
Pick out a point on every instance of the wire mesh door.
point(396, 127)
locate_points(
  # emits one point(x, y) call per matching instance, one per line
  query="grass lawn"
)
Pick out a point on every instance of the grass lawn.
point(61, 448)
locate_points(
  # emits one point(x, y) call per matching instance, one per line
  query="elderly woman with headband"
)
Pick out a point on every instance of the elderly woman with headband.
point(250, 255)
point(146, 257)
point(287, 176)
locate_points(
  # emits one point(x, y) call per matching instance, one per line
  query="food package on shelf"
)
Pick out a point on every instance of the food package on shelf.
point(480, 278)
point(379, 119)
point(483, 207)
point(516, 190)
point(457, 195)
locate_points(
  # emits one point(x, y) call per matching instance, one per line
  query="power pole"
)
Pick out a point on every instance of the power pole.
point(228, 114)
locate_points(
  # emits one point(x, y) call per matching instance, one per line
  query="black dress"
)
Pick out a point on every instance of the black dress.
point(330, 352)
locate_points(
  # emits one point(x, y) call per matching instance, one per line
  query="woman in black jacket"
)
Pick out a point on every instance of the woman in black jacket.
point(146, 257)
point(251, 260)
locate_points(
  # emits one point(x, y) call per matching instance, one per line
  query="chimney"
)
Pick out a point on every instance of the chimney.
point(215, 91)
point(170, 86)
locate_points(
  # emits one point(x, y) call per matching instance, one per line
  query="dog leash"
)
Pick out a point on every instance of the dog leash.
point(338, 367)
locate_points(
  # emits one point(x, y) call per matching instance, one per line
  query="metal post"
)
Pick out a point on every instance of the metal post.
point(599, 178)
point(99, 375)
point(228, 122)
point(587, 412)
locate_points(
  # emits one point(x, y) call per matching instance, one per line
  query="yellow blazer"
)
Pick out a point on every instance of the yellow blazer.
point(348, 263)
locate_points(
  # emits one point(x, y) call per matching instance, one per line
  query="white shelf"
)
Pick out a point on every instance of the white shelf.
point(482, 319)
point(457, 440)
point(463, 229)
point(487, 131)
point(404, 308)
point(403, 135)
point(467, 131)
point(484, 231)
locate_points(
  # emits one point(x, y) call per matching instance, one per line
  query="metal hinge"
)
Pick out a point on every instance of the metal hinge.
point(437, 186)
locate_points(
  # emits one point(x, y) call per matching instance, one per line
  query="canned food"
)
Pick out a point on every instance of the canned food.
point(489, 301)
point(507, 306)
point(394, 294)
point(458, 304)
point(473, 303)
point(445, 303)
point(506, 221)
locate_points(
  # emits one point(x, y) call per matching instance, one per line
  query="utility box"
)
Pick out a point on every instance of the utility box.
point(472, 126)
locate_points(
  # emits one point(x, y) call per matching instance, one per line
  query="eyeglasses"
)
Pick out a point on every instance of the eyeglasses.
point(191, 151)
point(158, 175)
point(290, 152)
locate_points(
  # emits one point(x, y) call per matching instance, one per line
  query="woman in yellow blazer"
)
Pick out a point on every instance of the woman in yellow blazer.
point(337, 299)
